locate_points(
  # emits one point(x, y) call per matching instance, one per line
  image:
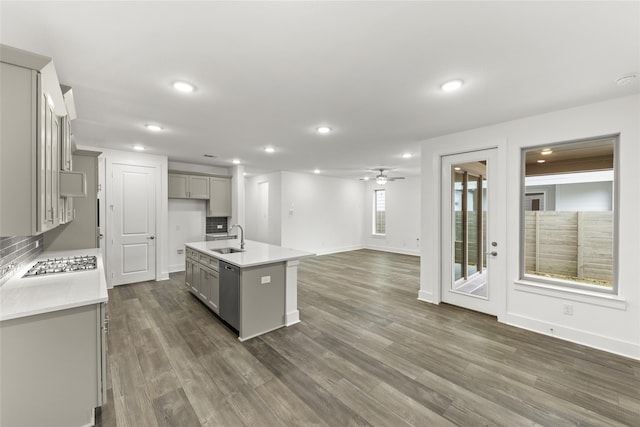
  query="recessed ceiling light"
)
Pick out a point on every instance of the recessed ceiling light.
point(546, 151)
point(236, 161)
point(541, 161)
point(316, 171)
point(626, 79)
point(138, 147)
point(452, 85)
point(153, 128)
point(244, 174)
point(269, 149)
point(407, 156)
point(323, 129)
point(366, 178)
point(183, 86)
point(456, 168)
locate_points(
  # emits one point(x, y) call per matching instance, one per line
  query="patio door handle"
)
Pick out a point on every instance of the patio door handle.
point(492, 253)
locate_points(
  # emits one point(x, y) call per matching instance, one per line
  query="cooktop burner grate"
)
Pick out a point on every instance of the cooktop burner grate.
point(62, 265)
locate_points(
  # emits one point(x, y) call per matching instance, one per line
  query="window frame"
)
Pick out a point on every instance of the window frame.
point(561, 284)
point(374, 228)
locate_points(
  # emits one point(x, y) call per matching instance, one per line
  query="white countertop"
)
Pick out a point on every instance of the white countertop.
point(255, 253)
point(21, 297)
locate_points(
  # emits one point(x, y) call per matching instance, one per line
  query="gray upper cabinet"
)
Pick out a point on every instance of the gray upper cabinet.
point(32, 104)
point(220, 197)
point(183, 186)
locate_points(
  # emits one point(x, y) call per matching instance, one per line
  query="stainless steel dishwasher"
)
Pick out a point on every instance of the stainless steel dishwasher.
point(230, 294)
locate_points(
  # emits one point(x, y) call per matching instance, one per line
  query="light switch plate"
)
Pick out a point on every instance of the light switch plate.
point(265, 279)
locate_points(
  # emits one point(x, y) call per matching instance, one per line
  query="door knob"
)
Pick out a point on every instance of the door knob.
point(492, 253)
point(151, 237)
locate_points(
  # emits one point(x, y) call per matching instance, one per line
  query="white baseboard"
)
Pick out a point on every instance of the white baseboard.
point(600, 342)
point(338, 250)
point(403, 251)
point(426, 297)
point(176, 268)
point(292, 318)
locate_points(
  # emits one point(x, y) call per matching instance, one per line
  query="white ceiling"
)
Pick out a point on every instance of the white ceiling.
point(269, 73)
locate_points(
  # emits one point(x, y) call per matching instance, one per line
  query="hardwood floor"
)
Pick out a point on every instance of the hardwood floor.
point(366, 353)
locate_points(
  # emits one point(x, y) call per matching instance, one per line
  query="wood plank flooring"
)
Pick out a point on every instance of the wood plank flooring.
point(366, 353)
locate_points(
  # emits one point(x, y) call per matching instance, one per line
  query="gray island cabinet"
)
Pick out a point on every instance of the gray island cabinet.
point(253, 290)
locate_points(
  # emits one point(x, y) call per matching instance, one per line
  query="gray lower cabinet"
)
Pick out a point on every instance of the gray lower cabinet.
point(201, 278)
point(53, 367)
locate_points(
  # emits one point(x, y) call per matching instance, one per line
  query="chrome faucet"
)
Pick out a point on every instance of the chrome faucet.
point(241, 234)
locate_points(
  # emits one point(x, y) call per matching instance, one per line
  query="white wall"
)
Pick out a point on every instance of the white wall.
point(608, 322)
point(588, 196)
point(187, 223)
point(321, 214)
point(402, 217)
point(254, 228)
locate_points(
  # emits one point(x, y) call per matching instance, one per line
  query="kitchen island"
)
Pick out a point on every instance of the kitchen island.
point(254, 290)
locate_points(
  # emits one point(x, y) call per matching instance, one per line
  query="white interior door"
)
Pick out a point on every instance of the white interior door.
point(472, 223)
point(132, 212)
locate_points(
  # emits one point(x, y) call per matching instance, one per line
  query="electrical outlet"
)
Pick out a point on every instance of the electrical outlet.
point(567, 309)
point(265, 279)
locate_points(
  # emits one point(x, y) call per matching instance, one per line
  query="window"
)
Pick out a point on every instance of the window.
point(568, 223)
point(379, 212)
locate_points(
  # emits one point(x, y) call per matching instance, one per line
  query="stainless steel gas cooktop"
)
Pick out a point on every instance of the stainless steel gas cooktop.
point(62, 265)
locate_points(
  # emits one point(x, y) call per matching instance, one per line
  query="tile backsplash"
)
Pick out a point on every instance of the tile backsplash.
point(16, 251)
point(213, 223)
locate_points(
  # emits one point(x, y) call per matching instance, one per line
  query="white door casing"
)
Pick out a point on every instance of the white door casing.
point(496, 277)
point(131, 217)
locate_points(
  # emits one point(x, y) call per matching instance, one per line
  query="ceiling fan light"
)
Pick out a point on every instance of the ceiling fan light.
point(381, 180)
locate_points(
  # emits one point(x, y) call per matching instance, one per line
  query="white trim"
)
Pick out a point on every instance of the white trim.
point(578, 336)
point(571, 294)
point(291, 318)
point(242, 339)
point(393, 250)
point(340, 249)
point(176, 268)
point(291, 313)
point(426, 297)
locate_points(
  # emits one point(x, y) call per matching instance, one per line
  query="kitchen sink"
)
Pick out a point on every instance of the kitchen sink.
point(227, 250)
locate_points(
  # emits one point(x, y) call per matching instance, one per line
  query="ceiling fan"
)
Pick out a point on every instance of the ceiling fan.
point(382, 178)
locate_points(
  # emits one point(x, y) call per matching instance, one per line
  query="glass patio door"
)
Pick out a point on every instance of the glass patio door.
point(469, 255)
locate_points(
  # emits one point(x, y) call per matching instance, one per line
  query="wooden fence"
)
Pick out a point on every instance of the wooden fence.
point(572, 244)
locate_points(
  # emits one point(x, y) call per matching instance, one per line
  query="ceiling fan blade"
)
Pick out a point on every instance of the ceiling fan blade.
point(394, 178)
